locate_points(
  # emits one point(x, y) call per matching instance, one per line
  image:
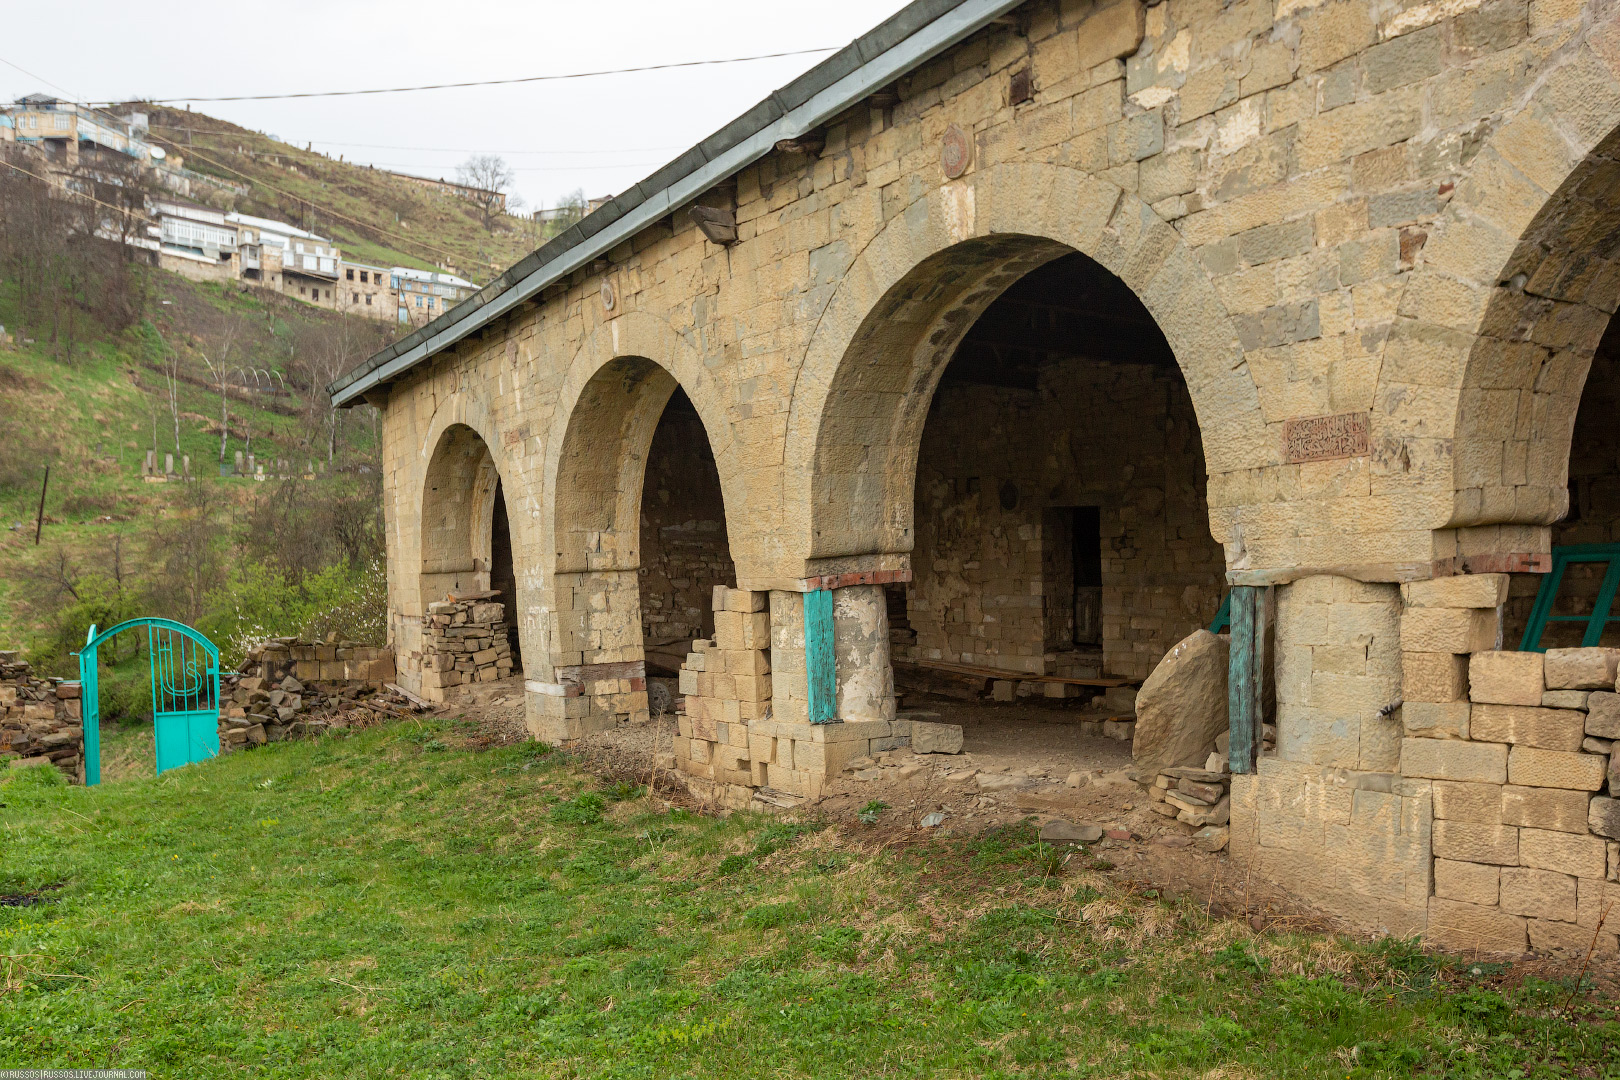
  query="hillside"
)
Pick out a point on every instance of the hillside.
point(374, 216)
point(127, 359)
point(93, 417)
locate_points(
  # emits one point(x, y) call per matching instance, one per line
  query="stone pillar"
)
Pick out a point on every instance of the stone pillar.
point(1329, 817)
point(1338, 664)
point(790, 698)
point(597, 658)
point(861, 645)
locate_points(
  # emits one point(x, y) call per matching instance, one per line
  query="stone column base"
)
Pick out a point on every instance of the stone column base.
point(730, 763)
point(1355, 845)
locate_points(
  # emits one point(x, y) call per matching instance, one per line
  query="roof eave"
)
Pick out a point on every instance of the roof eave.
point(927, 28)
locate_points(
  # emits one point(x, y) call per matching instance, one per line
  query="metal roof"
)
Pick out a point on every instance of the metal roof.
point(911, 37)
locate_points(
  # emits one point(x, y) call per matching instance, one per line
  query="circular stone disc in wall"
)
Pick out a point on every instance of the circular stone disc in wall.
point(955, 152)
point(608, 297)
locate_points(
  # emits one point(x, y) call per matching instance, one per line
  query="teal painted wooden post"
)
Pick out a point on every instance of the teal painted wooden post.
point(90, 710)
point(820, 667)
point(1223, 616)
point(1241, 681)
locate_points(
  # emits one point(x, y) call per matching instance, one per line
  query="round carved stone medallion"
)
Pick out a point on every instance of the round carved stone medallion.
point(955, 152)
point(608, 297)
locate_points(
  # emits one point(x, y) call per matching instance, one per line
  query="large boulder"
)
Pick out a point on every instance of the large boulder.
point(1181, 708)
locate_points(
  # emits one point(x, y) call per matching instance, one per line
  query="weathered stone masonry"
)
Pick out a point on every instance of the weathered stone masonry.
point(1398, 215)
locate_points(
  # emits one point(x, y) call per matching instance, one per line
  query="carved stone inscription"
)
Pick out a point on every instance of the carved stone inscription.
point(1323, 438)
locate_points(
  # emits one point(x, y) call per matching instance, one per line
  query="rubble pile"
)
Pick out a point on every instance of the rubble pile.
point(464, 640)
point(39, 719)
point(255, 710)
point(1196, 797)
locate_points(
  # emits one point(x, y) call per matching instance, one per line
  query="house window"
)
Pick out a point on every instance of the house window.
point(300, 290)
point(368, 299)
point(430, 303)
point(363, 277)
point(356, 299)
point(62, 123)
point(350, 274)
point(418, 301)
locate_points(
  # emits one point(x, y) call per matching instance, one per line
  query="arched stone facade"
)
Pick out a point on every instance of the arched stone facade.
point(1394, 224)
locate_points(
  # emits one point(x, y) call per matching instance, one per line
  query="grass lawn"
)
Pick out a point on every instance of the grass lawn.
point(396, 903)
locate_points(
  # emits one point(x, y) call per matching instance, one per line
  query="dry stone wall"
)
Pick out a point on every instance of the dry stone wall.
point(1526, 802)
point(39, 719)
point(464, 641)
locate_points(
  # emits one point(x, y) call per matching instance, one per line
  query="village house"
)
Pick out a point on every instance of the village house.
point(1042, 332)
point(422, 295)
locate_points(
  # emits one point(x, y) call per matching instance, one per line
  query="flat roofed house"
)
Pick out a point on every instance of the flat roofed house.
point(363, 289)
point(195, 241)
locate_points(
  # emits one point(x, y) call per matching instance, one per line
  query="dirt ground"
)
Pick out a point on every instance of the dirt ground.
point(1020, 760)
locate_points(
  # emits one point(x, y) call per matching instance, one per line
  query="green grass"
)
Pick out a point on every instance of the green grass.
point(394, 903)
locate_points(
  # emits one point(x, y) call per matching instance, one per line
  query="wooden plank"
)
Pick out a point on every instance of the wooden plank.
point(1241, 696)
point(820, 663)
point(1016, 676)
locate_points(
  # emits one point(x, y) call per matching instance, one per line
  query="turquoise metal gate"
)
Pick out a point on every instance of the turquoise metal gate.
point(184, 668)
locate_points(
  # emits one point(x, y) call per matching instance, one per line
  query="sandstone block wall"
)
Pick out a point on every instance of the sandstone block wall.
point(1525, 838)
point(274, 659)
point(684, 549)
point(1115, 435)
point(1379, 240)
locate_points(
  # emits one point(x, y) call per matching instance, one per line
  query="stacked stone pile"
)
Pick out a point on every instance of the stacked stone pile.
point(464, 640)
point(725, 685)
point(288, 687)
point(39, 719)
point(255, 711)
point(1526, 843)
point(1197, 797)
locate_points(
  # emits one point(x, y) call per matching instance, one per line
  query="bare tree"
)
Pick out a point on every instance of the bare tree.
point(490, 176)
point(65, 273)
point(325, 351)
point(221, 372)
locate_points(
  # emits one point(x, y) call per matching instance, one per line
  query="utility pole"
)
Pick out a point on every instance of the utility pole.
point(39, 522)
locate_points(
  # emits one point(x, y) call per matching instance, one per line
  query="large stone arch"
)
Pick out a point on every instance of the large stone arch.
point(613, 394)
point(462, 464)
point(909, 296)
point(1484, 368)
point(611, 397)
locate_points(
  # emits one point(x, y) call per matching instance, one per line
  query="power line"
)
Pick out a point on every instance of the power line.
point(491, 82)
point(41, 78)
point(429, 149)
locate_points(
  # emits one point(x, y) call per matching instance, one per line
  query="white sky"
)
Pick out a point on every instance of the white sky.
point(599, 134)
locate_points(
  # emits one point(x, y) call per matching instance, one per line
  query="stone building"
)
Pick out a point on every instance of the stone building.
point(1043, 324)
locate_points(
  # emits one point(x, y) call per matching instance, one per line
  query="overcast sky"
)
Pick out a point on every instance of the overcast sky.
point(598, 134)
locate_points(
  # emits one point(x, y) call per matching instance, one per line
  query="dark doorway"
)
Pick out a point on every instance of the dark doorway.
point(502, 576)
